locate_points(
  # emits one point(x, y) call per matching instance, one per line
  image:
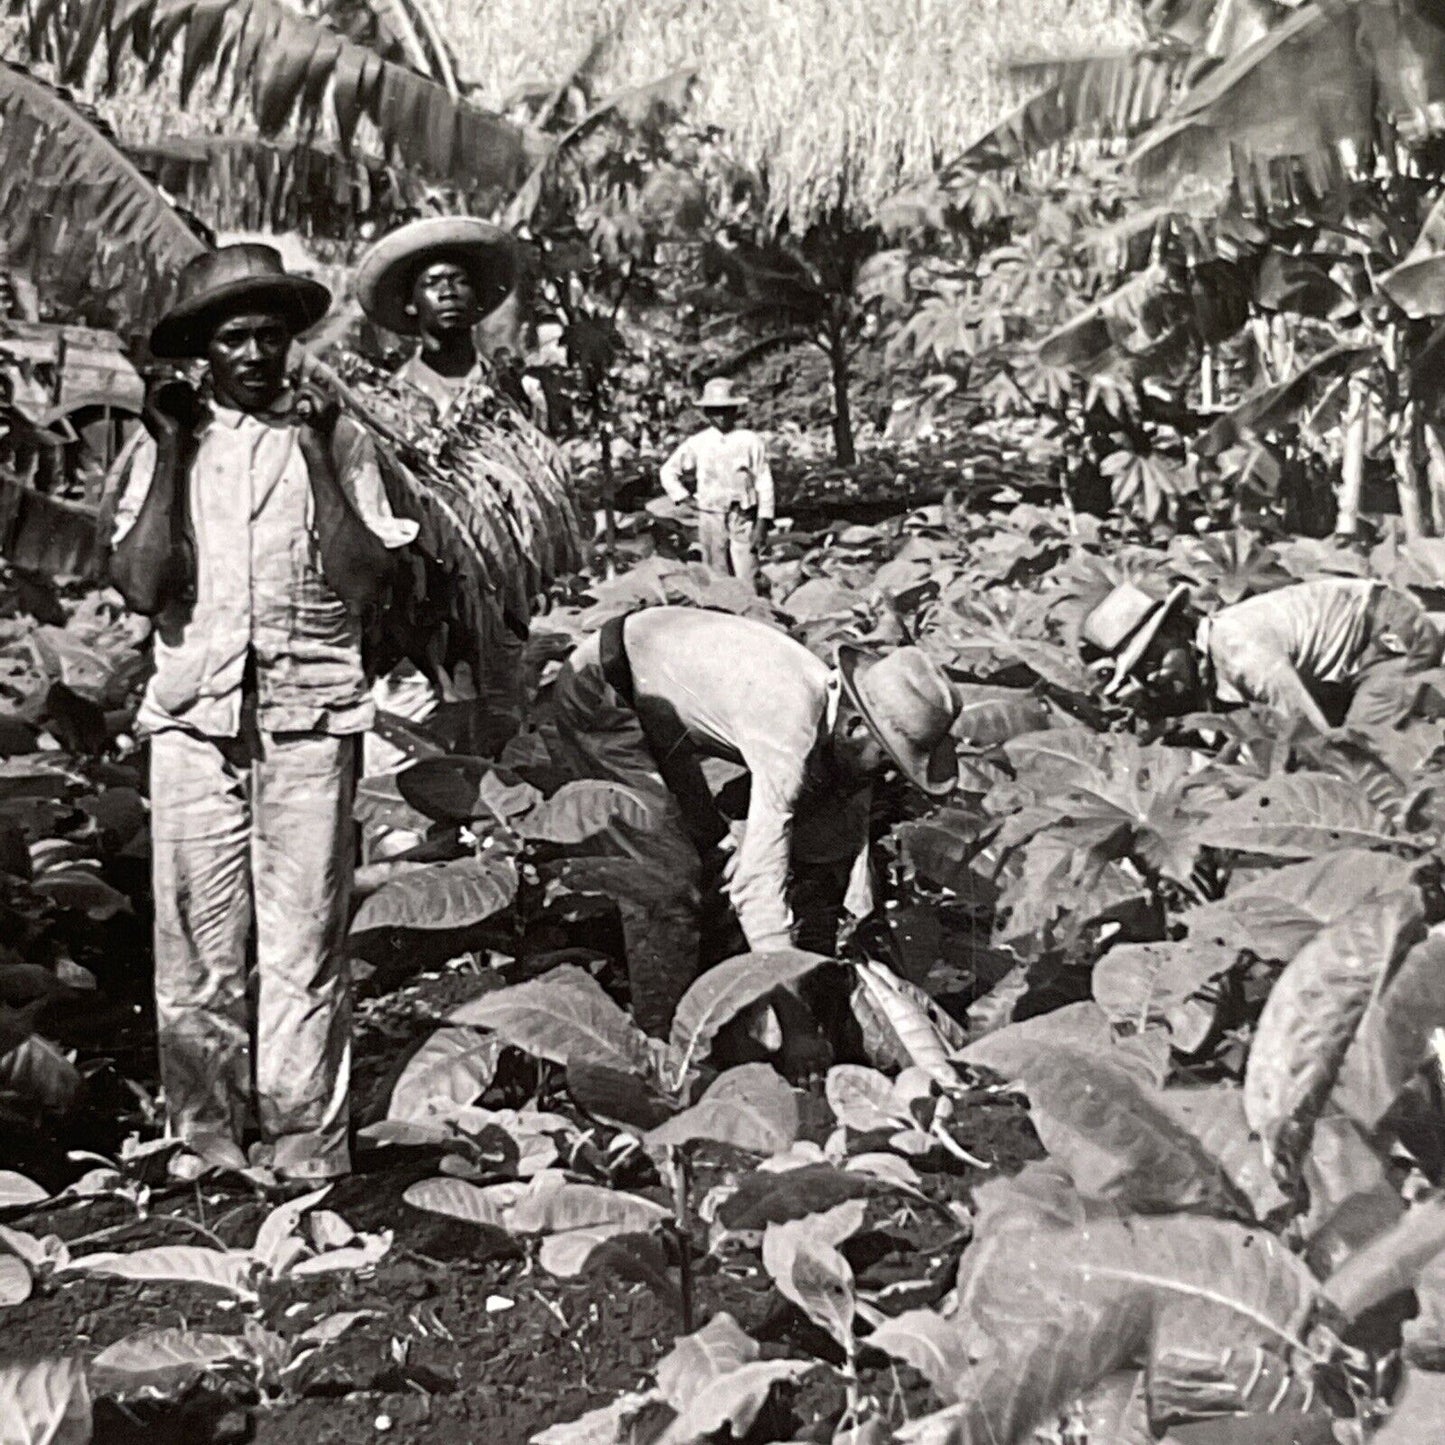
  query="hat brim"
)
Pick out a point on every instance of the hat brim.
point(1132, 653)
point(737, 404)
point(388, 271)
point(935, 772)
point(185, 330)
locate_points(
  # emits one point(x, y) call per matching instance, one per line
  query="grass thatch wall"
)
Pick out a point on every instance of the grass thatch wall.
point(816, 89)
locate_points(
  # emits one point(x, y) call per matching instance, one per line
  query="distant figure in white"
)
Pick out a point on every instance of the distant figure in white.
point(732, 484)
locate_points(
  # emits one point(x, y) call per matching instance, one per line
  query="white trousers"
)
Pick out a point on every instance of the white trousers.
point(252, 840)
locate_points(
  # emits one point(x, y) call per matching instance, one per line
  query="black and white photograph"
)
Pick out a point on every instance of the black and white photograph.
point(722, 723)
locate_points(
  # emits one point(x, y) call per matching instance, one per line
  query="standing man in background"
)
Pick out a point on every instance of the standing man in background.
point(436, 279)
point(733, 484)
point(254, 527)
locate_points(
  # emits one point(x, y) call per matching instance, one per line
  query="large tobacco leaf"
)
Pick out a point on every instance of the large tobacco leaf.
point(723, 992)
point(1122, 800)
point(1214, 1114)
point(455, 1066)
point(1118, 1142)
point(903, 1027)
point(1312, 1015)
point(460, 789)
point(1061, 1308)
point(582, 809)
point(441, 896)
point(1276, 913)
point(45, 1402)
point(750, 1107)
point(1392, 1042)
point(562, 1016)
point(1085, 1026)
point(1298, 815)
point(696, 1360)
point(1148, 984)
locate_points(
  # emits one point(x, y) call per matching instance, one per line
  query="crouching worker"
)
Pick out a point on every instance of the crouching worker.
point(1337, 650)
point(641, 702)
point(254, 528)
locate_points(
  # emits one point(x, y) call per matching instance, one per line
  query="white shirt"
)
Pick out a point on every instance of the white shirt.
point(749, 693)
point(260, 590)
point(731, 469)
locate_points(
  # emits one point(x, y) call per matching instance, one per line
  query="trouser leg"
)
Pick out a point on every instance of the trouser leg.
point(200, 825)
point(598, 736)
point(742, 550)
point(712, 536)
point(302, 861)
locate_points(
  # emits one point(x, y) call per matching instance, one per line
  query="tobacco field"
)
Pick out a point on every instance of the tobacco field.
point(1132, 1130)
point(1135, 1135)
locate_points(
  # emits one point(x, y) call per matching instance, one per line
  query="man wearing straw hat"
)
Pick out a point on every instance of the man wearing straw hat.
point(437, 279)
point(1335, 649)
point(645, 699)
point(734, 485)
point(253, 527)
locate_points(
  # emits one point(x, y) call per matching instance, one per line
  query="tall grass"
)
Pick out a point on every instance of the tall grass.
point(836, 99)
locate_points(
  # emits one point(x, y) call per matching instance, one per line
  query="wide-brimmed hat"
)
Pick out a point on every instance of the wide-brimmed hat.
point(910, 706)
point(1124, 624)
point(228, 282)
point(720, 395)
point(387, 272)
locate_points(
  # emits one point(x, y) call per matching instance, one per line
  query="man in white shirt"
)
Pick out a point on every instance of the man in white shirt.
point(733, 483)
point(1335, 649)
point(643, 700)
point(253, 526)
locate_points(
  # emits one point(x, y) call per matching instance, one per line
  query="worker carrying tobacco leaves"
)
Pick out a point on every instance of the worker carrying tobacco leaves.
point(645, 701)
point(254, 528)
point(492, 492)
point(1338, 650)
point(733, 484)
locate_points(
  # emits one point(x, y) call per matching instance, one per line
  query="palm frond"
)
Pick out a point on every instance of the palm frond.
point(1286, 112)
point(1095, 97)
point(79, 214)
point(637, 104)
point(293, 69)
point(238, 183)
point(494, 500)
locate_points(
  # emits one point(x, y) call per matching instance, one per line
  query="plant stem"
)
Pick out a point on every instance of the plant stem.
point(678, 1176)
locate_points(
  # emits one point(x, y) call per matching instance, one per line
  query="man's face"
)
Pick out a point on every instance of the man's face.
point(725, 419)
point(248, 360)
point(1166, 682)
point(445, 299)
point(855, 746)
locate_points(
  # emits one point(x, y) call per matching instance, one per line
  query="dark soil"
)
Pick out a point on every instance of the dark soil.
point(469, 1340)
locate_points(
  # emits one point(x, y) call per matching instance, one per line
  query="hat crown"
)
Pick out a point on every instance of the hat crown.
point(244, 261)
point(719, 392)
point(909, 692)
point(1116, 619)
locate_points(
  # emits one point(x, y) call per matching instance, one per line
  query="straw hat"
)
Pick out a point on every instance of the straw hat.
point(1124, 624)
point(387, 272)
point(719, 395)
point(910, 706)
point(229, 282)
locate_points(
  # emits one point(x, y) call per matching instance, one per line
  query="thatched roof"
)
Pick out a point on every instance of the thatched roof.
point(811, 87)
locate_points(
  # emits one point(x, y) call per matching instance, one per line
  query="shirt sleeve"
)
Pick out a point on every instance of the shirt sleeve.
point(759, 886)
point(135, 486)
point(682, 460)
point(361, 477)
point(763, 480)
